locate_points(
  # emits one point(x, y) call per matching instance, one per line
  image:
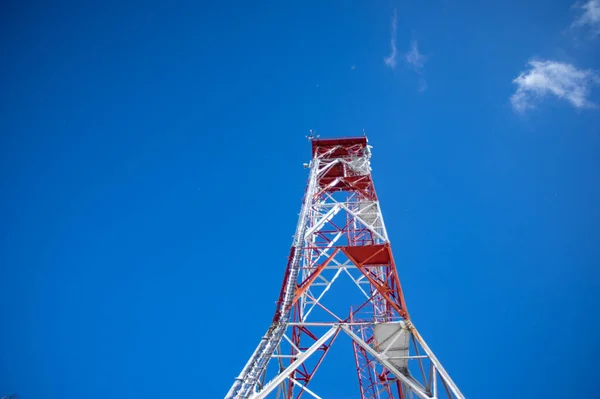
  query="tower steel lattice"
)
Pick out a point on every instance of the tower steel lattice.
point(341, 234)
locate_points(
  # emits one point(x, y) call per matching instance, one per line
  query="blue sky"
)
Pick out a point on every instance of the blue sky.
point(151, 176)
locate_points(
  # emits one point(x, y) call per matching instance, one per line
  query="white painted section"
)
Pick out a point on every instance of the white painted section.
point(391, 342)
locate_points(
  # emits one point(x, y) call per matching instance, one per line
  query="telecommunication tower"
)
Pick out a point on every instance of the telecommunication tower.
point(341, 234)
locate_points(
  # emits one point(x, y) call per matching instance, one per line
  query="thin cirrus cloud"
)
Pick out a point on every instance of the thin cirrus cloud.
point(391, 59)
point(413, 58)
point(552, 78)
point(589, 17)
point(417, 60)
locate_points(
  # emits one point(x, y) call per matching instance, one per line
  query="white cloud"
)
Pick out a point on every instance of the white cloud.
point(550, 77)
point(414, 58)
point(391, 59)
point(590, 16)
point(417, 61)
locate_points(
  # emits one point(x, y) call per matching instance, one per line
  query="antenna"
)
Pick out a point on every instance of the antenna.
point(312, 135)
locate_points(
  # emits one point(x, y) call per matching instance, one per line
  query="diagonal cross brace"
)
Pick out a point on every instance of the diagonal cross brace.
point(409, 383)
point(299, 360)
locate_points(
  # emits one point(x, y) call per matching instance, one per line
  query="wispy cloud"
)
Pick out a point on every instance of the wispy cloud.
point(414, 57)
point(590, 16)
point(391, 59)
point(562, 80)
point(417, 61)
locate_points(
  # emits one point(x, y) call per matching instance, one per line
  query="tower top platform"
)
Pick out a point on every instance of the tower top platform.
point(323, 145)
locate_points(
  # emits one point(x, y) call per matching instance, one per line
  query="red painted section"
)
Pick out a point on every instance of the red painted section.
point(333, 172)
point(320, 146)
point(370, 254)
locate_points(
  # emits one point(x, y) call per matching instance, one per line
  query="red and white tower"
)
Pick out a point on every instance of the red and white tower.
point(341, 235)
